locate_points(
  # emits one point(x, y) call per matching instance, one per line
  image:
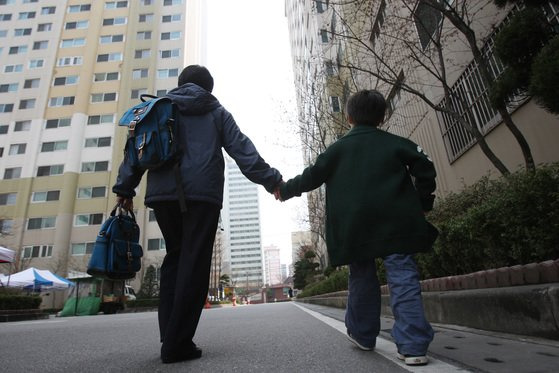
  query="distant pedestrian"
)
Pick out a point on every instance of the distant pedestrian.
point(378, 187)
point(204, 128)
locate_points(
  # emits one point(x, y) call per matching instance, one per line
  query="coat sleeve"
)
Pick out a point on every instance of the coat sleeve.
point(422, 169)
point(127, 179)
point(243, 151)
point(311, 178)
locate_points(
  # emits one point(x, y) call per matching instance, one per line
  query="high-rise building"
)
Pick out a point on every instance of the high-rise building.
point(69, 71)
point(272, 265)
point(241, 221)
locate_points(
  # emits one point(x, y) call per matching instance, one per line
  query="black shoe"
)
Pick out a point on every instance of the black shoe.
point(186, 354)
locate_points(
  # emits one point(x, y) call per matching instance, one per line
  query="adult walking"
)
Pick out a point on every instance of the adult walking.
point(204, 128)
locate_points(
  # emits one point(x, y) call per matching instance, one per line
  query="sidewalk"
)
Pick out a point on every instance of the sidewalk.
point(477, 350)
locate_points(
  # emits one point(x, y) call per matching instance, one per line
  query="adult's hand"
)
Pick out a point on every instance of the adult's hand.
point(125, 203)
point(277, 192)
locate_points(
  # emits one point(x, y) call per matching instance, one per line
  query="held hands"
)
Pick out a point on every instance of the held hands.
point(277, 193)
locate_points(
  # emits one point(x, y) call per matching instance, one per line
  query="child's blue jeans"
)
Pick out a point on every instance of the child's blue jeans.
point(411, 331)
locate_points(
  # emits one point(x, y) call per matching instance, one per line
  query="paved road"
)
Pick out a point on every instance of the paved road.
point(282, 337)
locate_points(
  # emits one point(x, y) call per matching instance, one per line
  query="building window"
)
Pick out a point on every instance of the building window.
point(53, 146)
point(41, 223)
point(76, 25)
point(156, 244)
point(145, 18)
point(171, 18)
point(18, 49)
point(12, 173)
point(43, 251)
point(143, 35)
point(335, 104)
point(6, 226)
point(13, 69)
point(82, 248)
point(56, 123)
point(6, 108)
point(56, 169)
point(321, 5)
point(5, 17)
point(61, 101)
point(116, 4)
point(95, 166)
point(92, 192)
point(7, 199)
point(26, 15)
point(103, 97)
point(31, 83)
point(70, 43)
point(70, 61)
point(7, 2)
point(170, 53)
point(34, 64)
point(331, 68)
point(324, 36)
point(427, 21)
point(107, 39)
point(47, 196)
point(161, 92)
point(101, 77)
point(48, 10)
point(114, 21)
point(27, 104)
point(394, 97)
point(79, 8)
point(142, 53)
point(151, 215)
point(88, 219)
point(10, 87)
point(135, 93)
point(174, 35)
point(66, 80)
point(22, 126)
point(4, 129)
point(3, 34)
point(116, 56)
point(22, 31)
point(167, 73)
point(171, 2)
point(98, 142)
point(139, 73)
point(42, 27)
point(16, 149)
point(100, 119)
point(146, 2)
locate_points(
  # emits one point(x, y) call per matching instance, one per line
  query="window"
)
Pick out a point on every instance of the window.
point(29, 1)
point(156, 244)
point(31, 83)
point(18, 49)
point(6, 108)
point(76, 25)
point(22, 31)
point(16, 149)
point(143, 35)
point(6, 226)
point(47, 196)
point(109, 57)
point(61, 101)
point(167, 73)
point(12, 173)
point(142, 53)
point(26, 15)
point(151, 215)
point(79, 8)
point(161, 92)
point(335, 104)
point(394, 96)
point(13, 69)
point(43, 251)
point(146, 2)
point(170, 53)
point(92, 192)
point(53, 146)
point(57, 169)
point(3, 34)
point(88, 219)
point(427, 20)
point(137, 92)
point(4, 129)
point(95, 166)
point(116, 4)
point(48, 10)
point(66, 80)
point(103, 97)
point(324, 36)
point(321, 6)
point(101, 77)
point(22, 125)
point(41, 223)
point(98, 142)
point(57, 123)
point(148, 17)
point(10, 87)
point(114, 21)
point(69, 61)
point(174, 35)
point(7, 199)
point(171, 2)
point(70, 43)
point(100, 119)
point(7, 2)
point(82, 248)
point(27, 104)
point(35, 64)
point(139, 73)
point(42, 27)
point(106, 39)
point(1, 152)
point(331, 68)
point(171, 18)
point(5, 17)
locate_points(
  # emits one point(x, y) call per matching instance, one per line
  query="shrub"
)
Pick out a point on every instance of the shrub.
point(337, 281)
point(19, 301)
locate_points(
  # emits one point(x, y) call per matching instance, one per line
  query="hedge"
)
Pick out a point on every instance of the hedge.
point(19, 302)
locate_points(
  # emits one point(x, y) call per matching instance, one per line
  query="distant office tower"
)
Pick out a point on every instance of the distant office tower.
point(284, 272)
point(69, 69)
point(272, 265)
point(241, 220)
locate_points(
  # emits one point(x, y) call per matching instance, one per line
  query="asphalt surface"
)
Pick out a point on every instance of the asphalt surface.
point(282, 337)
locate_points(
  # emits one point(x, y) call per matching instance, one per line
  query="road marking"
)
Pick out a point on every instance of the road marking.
point(388, 349)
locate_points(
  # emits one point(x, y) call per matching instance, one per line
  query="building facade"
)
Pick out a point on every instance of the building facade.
point(69, 70)
point(272, 265)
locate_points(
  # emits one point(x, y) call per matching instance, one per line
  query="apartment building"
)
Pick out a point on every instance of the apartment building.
point(69, 71)
point(272, 265)
point(241, 223)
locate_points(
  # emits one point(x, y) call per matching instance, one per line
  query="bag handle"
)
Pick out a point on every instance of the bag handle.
point(143, 97)
point(121, 210)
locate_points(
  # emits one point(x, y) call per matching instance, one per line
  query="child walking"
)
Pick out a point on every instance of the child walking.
point(378, 188)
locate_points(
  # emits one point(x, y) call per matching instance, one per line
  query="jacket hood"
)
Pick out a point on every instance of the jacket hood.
point(193, 100)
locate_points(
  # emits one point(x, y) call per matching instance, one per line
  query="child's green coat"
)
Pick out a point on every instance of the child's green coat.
point(372, 206)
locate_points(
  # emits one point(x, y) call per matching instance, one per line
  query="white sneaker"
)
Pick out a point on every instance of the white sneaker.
point(359, 345)
point(413, 360)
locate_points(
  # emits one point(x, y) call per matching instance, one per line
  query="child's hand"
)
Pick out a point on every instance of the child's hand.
point(277, 192)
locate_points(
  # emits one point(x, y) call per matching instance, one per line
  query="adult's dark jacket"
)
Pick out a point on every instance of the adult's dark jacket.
point(205, 127)
point(373, 207)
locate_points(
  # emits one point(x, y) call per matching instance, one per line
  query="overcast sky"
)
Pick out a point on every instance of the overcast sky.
point(249, 56)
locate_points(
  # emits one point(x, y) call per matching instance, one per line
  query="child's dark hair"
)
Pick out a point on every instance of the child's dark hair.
point(366, 108)
point(198, 75)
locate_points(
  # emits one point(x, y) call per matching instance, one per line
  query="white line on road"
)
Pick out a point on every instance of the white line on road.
point(387, 348)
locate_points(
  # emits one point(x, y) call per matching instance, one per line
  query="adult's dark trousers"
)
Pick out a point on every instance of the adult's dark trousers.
point(185, 271)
